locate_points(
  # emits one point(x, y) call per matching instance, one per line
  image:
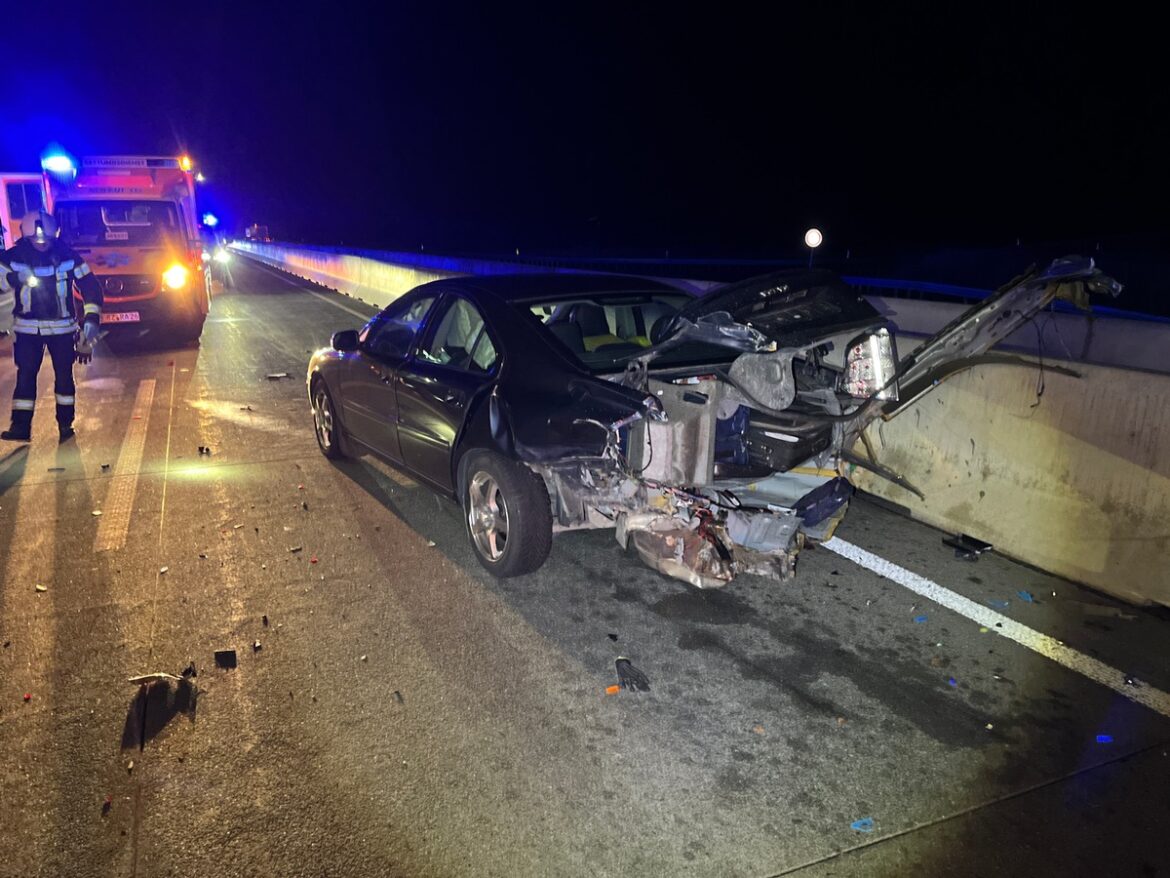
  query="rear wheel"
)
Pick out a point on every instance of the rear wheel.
point(507, 514)
point(326, 424)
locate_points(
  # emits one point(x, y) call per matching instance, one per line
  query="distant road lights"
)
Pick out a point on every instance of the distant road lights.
point(210, 220)
point(813, 239)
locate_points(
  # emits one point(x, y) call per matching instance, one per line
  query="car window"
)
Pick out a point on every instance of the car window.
point(390, 335)
point(460, 340)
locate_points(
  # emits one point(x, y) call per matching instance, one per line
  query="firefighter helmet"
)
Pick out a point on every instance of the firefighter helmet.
point(38, 226)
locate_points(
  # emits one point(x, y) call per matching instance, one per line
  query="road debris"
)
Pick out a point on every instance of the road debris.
point(96, 513)
point(398, 697)
point(430, 544)
point(865, 824)
point(56, 469)
point(205, 450)
point(295, 549)
point(130, 766)
point(151, 679)
point(758, 729)
point(1026, 596)
point(364, 658)
point(989, 727)
point(1104, 739)
point(304, 506)
point(245, 408)
point(841, 722)
point(39, 587)
point(967, 548)
point(163, 569)
point(952, 682)
point(264, 621)
point(276, 376)
point(105, 467)
point(226, 658)
point(630, 677)
point(612, 690)
point(918, 620)
point(256, 647)
point(998, 604)
point(107, 804)
point(313, 560)
point(27, 697)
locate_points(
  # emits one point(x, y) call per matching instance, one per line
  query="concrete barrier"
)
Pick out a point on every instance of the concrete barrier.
point(1078, 484)
point(1075, 481)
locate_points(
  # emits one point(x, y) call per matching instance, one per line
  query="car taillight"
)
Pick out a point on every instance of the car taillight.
point(870, 367)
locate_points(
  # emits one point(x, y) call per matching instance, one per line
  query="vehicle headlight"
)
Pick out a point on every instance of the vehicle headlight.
point(221, 255)
point(175, 277)
point(870, 367)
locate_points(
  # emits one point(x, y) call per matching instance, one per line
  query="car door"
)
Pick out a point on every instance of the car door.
point(368, 401)
point(457, 357)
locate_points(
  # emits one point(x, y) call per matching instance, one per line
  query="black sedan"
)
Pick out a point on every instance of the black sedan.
point(710, 433)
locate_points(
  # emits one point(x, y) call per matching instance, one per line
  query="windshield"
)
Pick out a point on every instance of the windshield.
point(124, 223)
point(602, 331)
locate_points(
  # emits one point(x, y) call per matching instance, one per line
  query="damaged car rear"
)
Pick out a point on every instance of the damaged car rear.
point(714, 435)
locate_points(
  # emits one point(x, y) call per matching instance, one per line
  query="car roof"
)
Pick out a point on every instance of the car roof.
point(548, 287)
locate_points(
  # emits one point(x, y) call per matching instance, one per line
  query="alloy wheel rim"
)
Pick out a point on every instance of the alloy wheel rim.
point(323, 420)
point(487, 516)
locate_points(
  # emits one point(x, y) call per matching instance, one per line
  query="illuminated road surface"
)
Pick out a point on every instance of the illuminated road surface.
point(406, 714)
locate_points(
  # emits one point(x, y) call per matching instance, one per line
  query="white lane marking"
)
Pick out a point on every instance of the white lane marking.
point(324, 298)
point(115, 522)
point(1049, 647)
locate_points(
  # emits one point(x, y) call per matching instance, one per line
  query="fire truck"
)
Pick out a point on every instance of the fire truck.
point(133, 220)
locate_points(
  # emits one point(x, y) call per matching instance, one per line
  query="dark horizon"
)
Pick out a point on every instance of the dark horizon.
point(619, 130)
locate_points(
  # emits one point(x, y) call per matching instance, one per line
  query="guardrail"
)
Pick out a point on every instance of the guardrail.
point(1068, 474)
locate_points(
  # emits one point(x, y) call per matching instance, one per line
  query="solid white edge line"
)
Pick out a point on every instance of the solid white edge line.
point(1049, 647)
point(324, 298)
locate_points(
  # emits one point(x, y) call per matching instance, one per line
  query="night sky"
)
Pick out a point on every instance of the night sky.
point(609, 128)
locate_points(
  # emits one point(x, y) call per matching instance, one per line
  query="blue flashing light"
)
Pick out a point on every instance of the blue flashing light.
point(58, 163)
point(210, 220)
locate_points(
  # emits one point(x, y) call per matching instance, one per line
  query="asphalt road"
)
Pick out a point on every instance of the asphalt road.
point(407, 714)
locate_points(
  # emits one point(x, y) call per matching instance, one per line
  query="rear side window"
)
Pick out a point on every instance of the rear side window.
point(461, 340)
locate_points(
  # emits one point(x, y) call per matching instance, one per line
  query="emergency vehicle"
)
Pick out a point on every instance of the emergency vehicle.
point(133, 219)
point(19, 194)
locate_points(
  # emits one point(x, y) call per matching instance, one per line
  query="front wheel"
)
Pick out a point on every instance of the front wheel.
point(507, 514)
point(326, 424)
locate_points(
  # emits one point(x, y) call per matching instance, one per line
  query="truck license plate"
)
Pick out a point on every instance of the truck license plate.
point(120, 317)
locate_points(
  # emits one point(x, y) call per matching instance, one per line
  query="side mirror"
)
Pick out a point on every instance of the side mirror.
point(347, 340)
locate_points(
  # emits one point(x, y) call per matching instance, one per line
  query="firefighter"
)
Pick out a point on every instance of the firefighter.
point(40, 271)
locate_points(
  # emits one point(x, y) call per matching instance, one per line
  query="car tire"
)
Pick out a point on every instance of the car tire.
point(507, 515)
point(327, 423)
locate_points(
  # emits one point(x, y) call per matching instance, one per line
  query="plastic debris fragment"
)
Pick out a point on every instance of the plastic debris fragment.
point(256, 646)
point(865, 824)
point(630, 677)
point(920, 619)
point(1026, 596)
point(39, 587)
point(998, 605)
point(96, 513)
point(276, 376)
point(313, 560)
point(295, 549)
point(951, 681)
point(1104, 739)
point(612, 690)
point(27, 697)
point(967, 547)
point(226, 658)
point(163, 569)
point(150, 679)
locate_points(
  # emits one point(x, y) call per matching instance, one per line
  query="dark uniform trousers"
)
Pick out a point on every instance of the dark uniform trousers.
point(29, 352)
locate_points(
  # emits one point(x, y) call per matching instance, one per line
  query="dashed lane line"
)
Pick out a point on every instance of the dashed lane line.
point(115, 521)
point(1049, 647)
